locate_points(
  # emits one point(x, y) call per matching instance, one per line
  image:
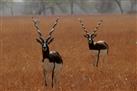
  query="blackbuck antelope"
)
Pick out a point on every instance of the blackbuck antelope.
point(52, 61)
point(99, 47)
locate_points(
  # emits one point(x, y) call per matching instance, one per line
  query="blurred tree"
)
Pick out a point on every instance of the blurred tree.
point(61, 3)
point(118, 2)
point(7, 4)
point(40, 7)
point(82, 5)
point(105, 6)
point(72, 7)
point(62, 6)
point(2, 4)
point(133, 8)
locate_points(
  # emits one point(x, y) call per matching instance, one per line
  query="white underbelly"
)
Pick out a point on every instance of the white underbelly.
point(49, 66)
point(102, 52)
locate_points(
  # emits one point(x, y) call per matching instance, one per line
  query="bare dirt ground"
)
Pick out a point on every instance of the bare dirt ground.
point(20, 54)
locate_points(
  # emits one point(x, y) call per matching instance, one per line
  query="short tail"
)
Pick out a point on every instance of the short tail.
point(107, 47)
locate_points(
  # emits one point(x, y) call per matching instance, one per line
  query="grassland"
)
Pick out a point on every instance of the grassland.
point(20, 54)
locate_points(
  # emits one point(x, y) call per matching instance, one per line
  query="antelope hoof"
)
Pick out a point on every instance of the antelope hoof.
point(46, 84)
point(42, 60)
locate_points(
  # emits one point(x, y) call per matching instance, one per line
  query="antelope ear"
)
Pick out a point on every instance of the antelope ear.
point(94, 35)
point(39, 41)
point(85, 35)
point(50, 40)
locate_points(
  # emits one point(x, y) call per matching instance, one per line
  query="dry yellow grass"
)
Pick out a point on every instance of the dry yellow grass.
point(20, 54)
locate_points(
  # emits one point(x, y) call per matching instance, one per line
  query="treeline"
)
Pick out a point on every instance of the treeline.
point(66, 7)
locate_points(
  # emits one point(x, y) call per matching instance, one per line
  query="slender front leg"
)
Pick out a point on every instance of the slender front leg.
point(94, 61)
point(53, 71)
point(45, 77)
point(97, 58)
point(43, 60)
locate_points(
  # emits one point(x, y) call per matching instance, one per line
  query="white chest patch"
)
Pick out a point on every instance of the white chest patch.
point(100, 41)
point(52, 51)
point(102, 52)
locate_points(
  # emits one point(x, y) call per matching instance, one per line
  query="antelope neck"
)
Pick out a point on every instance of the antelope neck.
point(46, 53)
point(91, 45)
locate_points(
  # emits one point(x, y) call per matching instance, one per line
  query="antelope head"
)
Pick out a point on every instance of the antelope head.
point(44, 41)
point(90, 35)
